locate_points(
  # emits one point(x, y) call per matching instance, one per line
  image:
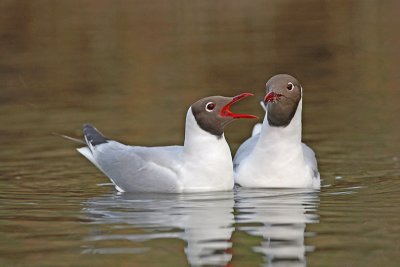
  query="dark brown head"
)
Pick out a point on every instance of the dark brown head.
point(282, 98)
point(213, 113)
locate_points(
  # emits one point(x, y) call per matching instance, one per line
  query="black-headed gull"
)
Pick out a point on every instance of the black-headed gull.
point(274, 155)
point(203, 163)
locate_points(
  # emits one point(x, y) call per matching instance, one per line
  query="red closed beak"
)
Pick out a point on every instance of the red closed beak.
point(226, 112)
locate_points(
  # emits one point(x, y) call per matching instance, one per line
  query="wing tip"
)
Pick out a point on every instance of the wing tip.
point(93, 136)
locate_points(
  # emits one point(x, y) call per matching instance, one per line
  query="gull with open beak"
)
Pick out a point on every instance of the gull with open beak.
point(203, 163)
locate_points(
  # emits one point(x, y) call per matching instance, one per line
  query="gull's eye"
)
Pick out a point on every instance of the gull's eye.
point(290, 86)
point(210, 106)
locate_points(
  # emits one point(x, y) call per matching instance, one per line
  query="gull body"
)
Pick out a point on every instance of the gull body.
point(274, 156)
point(203, 163)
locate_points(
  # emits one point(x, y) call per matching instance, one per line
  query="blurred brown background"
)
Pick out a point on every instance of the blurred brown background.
point(138, 65)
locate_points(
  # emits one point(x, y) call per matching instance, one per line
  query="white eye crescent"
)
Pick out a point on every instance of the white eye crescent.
point(290, 86)
point(210, 106)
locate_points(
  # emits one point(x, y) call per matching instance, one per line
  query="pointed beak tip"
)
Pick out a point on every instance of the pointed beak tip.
point(246, 94)
point(253, 117)
point(226, 110)
point(241, 96)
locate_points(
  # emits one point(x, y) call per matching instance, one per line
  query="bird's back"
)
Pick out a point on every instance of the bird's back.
point(144, 169)
point(134, 168)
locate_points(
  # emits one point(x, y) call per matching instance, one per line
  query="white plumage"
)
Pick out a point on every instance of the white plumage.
point(275, 157)
point(203, 163)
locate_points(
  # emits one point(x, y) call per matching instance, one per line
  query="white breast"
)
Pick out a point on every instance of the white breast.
point(207, 161)
point(275, 158)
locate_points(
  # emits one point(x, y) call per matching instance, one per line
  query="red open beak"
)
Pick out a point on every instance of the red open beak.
point(271, 97)
point(225, 111)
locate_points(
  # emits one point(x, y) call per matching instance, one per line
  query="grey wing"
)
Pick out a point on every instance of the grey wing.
point(143, 169)
point(310, 159)
point(245, 149)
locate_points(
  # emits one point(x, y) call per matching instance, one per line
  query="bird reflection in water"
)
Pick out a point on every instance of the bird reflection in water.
point(204, 221)
point(280, 217)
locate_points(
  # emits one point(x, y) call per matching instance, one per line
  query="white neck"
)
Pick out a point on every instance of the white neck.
point(277, 159)
point(271, 135)
point(206, 155)
point(196, 139)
